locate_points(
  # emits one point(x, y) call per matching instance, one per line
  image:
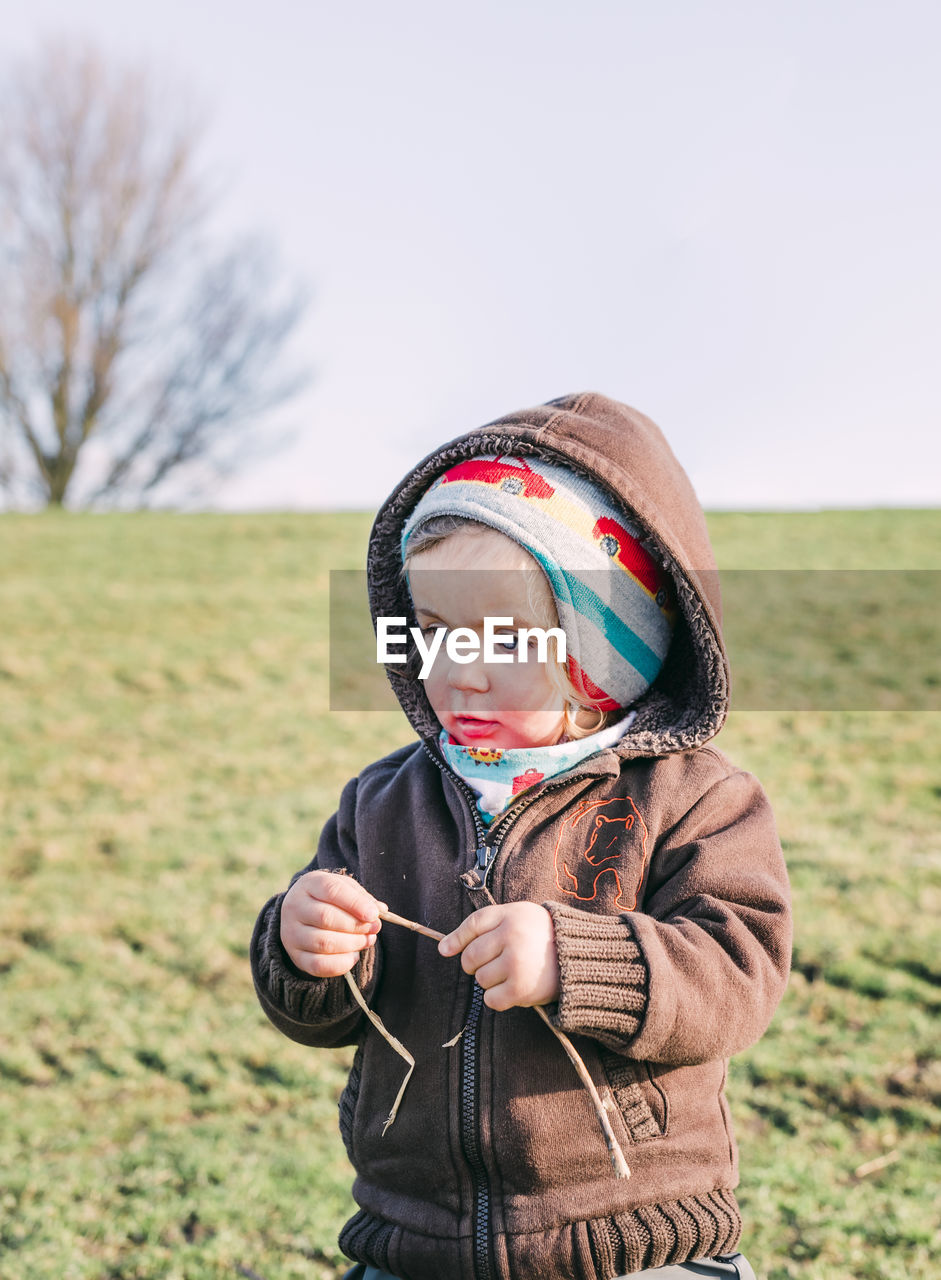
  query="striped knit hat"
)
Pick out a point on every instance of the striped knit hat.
point(615, 603)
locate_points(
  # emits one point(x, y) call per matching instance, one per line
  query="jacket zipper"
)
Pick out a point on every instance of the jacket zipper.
point(484, 857)
point(470, 1141)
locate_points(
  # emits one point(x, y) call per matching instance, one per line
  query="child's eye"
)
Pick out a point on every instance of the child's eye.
point(508, 640)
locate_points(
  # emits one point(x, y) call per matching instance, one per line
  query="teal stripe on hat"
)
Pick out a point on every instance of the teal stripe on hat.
point(588, 603)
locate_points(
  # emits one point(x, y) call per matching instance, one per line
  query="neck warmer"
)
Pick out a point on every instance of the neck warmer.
point(499, 775)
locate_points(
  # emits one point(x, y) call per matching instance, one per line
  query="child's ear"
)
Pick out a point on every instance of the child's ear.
point(580, 721)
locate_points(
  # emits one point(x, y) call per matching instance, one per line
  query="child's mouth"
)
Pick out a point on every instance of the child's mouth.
point(472, 727)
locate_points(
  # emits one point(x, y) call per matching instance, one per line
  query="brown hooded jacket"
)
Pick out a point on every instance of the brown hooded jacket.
point(495, 1168)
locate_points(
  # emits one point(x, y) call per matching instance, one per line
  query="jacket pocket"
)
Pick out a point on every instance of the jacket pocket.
point(640, 1099)
point(348, 1100)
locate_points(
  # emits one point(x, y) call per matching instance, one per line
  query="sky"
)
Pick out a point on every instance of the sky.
point(725, 214)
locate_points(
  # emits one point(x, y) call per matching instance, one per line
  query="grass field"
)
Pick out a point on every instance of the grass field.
point(167, 758)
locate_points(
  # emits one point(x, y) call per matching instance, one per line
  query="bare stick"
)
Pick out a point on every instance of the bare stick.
point(621, 1169)
point(874, 1166)
point(389, 1038)
point(620, 1165)
point(410, 924)
point(392, 918)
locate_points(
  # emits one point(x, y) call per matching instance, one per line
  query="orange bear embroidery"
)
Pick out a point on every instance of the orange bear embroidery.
point(603, 824)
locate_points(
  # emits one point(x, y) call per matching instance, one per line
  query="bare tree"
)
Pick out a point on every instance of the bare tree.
point(118, 325)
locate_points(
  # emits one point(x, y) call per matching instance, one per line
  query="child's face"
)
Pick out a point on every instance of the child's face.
point(479, 703)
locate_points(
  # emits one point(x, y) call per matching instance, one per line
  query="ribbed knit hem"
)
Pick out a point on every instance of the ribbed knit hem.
point(599, 1249)
point(366, 1239)
point(658, 1235)
point(603, 981)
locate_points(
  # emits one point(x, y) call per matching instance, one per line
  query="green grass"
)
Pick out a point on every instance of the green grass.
point(166, 761)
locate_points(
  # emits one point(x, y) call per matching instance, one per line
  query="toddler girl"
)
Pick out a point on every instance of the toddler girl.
point(563, 822)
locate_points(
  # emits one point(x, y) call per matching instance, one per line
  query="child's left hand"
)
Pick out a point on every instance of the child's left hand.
point(510, 948)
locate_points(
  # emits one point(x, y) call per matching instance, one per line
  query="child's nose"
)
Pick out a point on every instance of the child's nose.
point(469, 676)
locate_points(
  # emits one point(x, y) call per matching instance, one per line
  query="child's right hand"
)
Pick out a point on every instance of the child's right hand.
point(326, 921)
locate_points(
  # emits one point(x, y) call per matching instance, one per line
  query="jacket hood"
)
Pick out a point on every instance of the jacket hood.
point(627, 454)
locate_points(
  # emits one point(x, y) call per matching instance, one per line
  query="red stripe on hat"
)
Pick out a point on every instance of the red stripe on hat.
point(513, 477)
point(586, 686)
point(625, 550)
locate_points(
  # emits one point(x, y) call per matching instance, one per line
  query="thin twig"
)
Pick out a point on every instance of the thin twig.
point(410, 924)
point(621, 1169)
point(390, 1039)
point(392, 918)
point(874, 1166)
point(619, 1163)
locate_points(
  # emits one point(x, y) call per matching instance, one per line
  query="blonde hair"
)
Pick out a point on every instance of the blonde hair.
point(437, 529)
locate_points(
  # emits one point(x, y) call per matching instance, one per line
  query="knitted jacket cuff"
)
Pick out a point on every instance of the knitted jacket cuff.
point(603, 980)
point(289, 994)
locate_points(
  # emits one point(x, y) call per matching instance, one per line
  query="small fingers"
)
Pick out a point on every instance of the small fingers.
point(502, 986)
point(480, 922)
point(483, 951)
point(493, 973)
point(323, 953)
point(328, 966)
point(343, 893)
point(510, 950)
point(500, 998)
point(318, 914)
point(317, 942)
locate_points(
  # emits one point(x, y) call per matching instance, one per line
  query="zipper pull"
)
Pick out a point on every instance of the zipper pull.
point(483, 857)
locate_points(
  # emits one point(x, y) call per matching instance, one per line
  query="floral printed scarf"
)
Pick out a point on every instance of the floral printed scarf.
point(498, 775)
